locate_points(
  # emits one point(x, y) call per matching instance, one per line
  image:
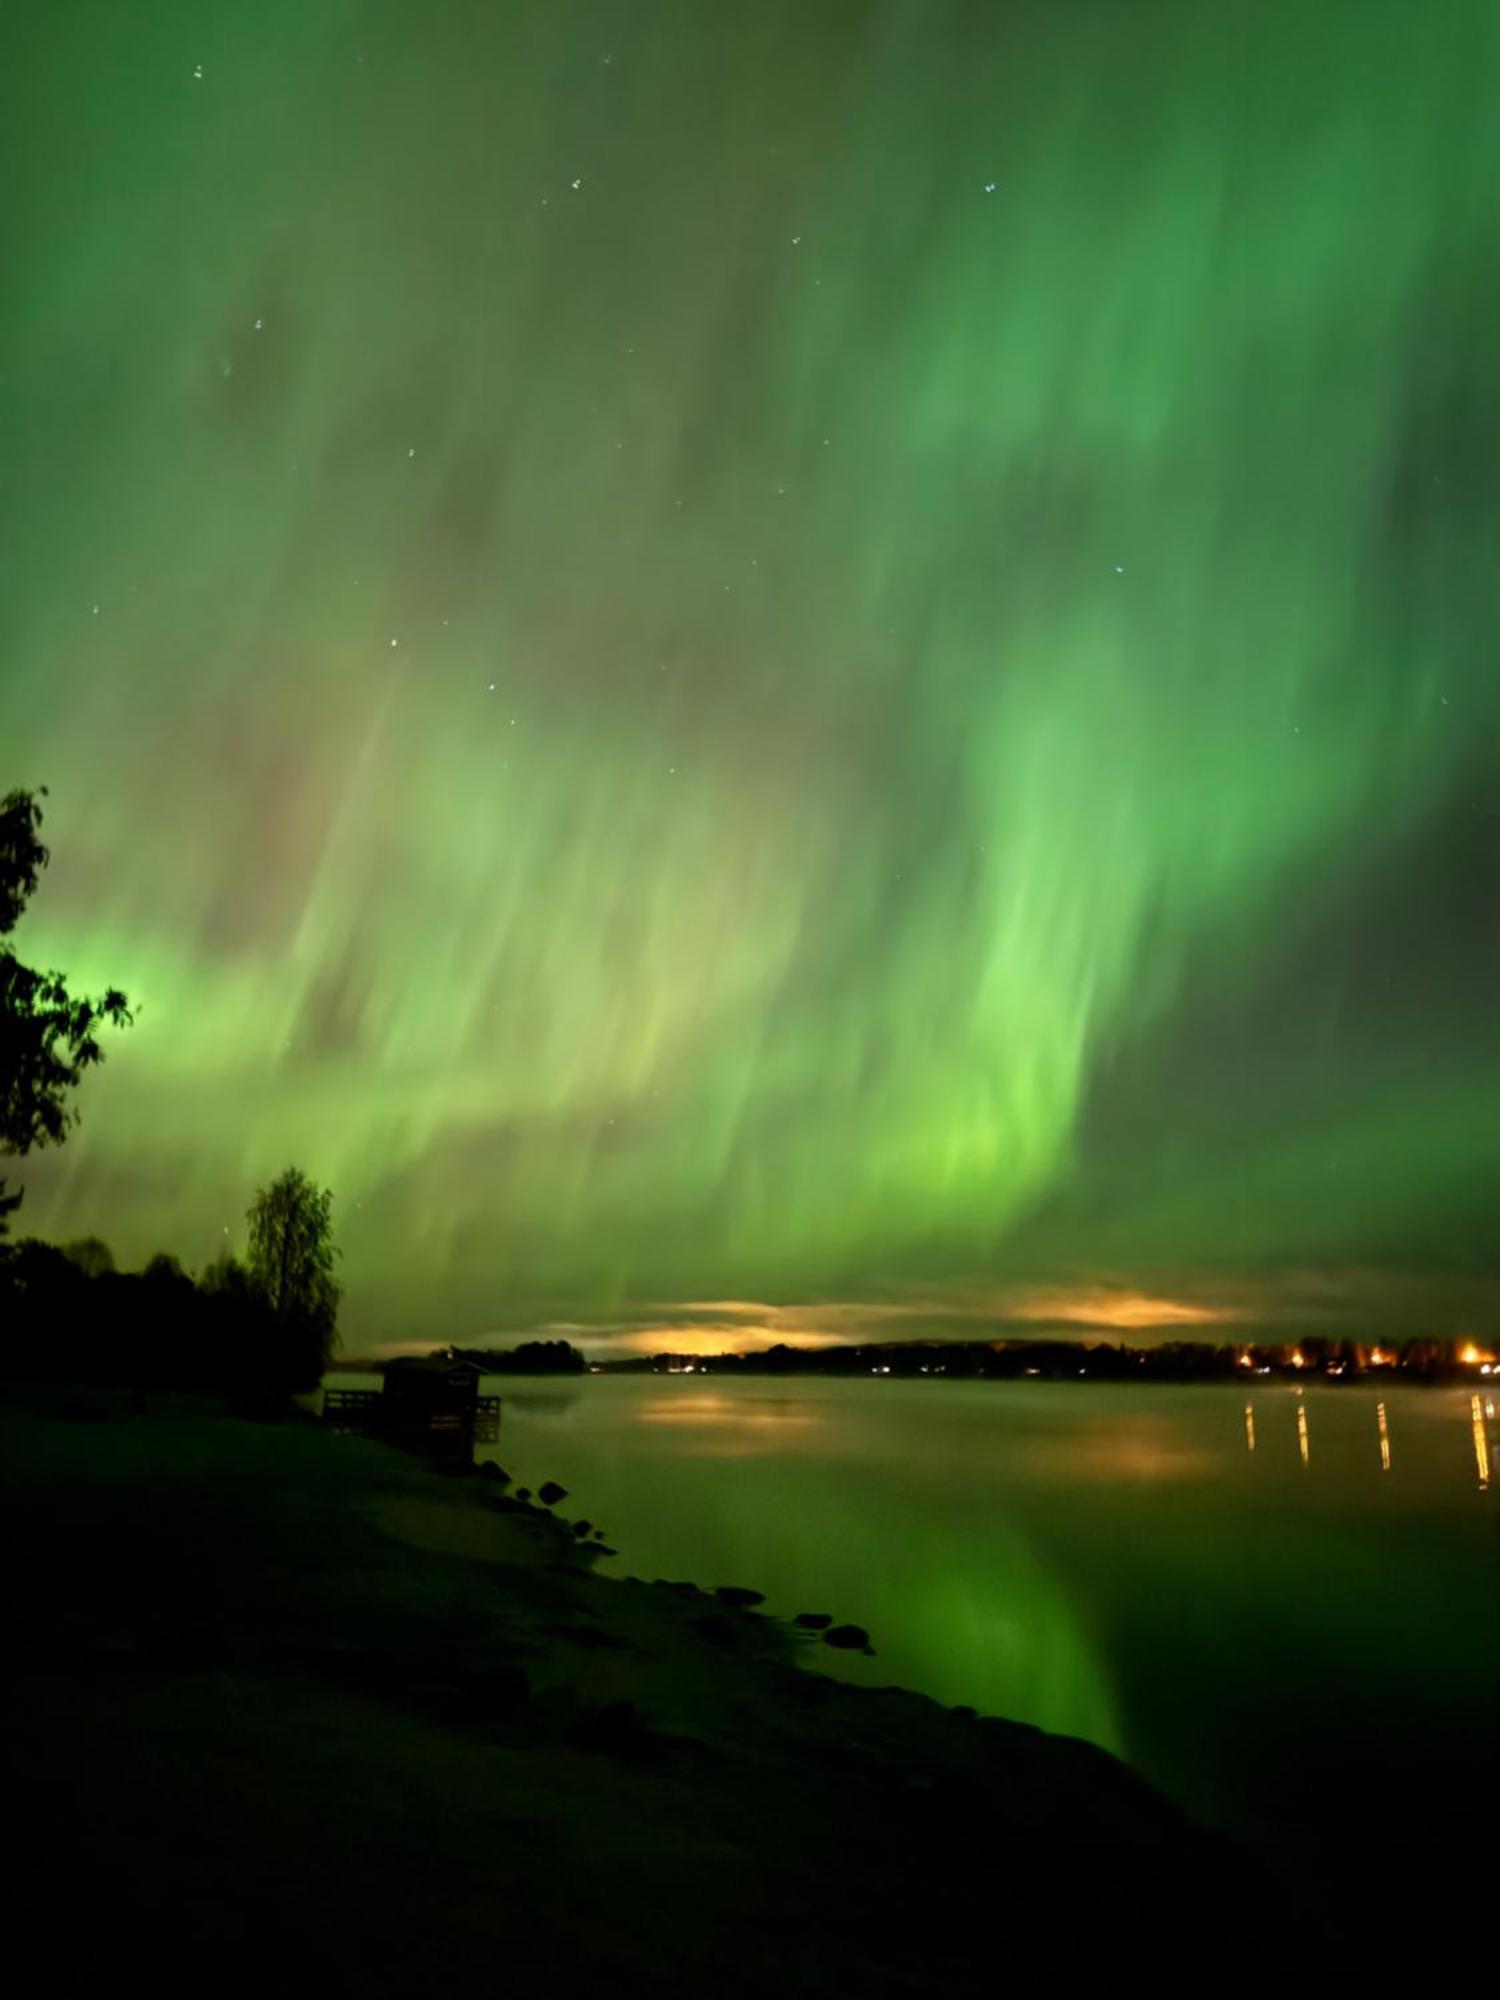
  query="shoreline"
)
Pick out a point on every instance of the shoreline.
point(202, 1595)
point(1483, 1379)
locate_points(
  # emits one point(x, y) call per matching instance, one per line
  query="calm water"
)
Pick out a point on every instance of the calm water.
point(1285, 1608)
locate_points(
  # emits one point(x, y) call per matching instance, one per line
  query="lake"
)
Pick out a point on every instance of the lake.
point(1282, 1606)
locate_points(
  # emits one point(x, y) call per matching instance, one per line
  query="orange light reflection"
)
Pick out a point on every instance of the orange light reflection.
point(1481, 1443)
point(705, 1407)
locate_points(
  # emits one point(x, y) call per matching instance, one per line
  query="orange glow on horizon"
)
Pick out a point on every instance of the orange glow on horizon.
point(1105, 1307)
point(705, 1342)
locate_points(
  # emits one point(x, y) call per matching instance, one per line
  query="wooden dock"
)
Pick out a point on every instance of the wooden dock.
point(368, 1412)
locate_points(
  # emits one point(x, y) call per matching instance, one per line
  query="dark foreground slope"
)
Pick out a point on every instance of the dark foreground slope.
point(288, 1706)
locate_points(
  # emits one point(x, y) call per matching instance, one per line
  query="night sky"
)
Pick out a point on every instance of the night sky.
point(829, 654)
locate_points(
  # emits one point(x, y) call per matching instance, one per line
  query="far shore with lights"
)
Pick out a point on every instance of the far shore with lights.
point(1420, 1359)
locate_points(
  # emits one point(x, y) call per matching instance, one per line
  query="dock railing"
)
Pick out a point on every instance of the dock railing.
point(367, 1410)
point(351, 1409)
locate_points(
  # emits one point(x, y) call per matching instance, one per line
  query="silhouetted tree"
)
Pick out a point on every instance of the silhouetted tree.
point(225, 1274)
point(291, 1267)
point(532, 1357)
point(47, 1038)
point(91, 1254)
point(547, 1357)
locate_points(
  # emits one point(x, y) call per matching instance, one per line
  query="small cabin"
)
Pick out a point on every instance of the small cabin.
point(424, 1389)
point(431, 1400)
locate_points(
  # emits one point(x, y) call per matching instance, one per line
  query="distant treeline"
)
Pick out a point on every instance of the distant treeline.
point(1173, 1361)
point(67, 1315)
point(531, 1357)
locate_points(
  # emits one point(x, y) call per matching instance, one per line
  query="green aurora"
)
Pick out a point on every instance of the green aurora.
point(812, 651)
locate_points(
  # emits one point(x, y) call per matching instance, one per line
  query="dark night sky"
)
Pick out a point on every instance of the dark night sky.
point(827, 654)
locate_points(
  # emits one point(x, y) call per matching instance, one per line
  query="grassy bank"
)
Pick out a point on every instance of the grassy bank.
point(286, 1700)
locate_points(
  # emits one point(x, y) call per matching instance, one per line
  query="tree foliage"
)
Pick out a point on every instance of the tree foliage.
point(69, 1319)
point(92, 1256)
point(532, 1357)
point(291, 1266)
point(47, 1037)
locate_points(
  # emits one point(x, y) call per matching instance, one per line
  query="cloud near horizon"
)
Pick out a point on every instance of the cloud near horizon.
point(1348, 1302)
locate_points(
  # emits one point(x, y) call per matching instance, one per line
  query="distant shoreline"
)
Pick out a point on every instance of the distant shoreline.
point(1419, 1364)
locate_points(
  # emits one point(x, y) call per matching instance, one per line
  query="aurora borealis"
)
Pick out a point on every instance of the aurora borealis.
point(820, 651)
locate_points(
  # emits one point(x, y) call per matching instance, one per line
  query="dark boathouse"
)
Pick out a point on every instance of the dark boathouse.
point(427, 1402)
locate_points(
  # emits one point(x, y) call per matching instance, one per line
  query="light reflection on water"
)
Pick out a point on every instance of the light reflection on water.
point(1479, 1432)
point(743, 1416)
point(1284, 1607)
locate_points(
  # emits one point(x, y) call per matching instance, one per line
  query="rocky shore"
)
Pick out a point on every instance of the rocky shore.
point(282, 1699)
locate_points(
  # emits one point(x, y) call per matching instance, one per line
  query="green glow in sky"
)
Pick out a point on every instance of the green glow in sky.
point(715, 652)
